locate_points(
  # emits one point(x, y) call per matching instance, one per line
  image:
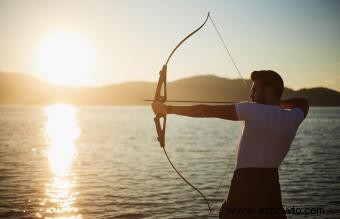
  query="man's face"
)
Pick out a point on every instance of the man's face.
point(257, 92)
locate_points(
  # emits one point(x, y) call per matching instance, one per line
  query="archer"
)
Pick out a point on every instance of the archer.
point(270, 125)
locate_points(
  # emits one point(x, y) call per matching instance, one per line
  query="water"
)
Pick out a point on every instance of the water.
point(104, 162)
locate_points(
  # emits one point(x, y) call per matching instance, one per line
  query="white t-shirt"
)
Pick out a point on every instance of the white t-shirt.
point(267, 134)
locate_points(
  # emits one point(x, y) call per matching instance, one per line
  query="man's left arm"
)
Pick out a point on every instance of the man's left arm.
point(227, 112)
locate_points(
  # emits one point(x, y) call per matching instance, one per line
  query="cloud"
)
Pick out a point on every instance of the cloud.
point(329, 82)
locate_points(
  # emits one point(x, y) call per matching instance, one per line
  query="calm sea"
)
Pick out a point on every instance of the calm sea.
point(104, 162)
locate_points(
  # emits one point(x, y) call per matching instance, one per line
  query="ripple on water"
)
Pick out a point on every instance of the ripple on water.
point(119, 170)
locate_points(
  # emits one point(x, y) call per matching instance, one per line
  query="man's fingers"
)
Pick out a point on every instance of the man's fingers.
point(159, 108)
point(154, 107)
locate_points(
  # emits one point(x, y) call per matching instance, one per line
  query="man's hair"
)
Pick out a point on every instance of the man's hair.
point(269, 78)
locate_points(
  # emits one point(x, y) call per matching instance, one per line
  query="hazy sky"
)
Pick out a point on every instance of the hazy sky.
point(115, 41)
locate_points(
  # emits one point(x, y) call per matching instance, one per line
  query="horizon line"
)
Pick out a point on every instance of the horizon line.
point(151, 82)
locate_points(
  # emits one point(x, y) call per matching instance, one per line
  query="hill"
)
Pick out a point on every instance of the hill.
point(22, 89)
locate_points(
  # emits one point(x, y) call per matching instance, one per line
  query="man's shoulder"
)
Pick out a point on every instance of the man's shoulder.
point(259, 106)
point(255, 112)
point(248, 110)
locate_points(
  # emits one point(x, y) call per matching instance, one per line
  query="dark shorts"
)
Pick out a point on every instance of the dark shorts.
point(253, 193)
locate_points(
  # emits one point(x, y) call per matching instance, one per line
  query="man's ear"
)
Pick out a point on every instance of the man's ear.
point(269, 92)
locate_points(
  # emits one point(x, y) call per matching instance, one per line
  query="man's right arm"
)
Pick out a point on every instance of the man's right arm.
point(296, 103)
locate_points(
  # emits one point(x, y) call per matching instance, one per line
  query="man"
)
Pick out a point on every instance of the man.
point(270, 126)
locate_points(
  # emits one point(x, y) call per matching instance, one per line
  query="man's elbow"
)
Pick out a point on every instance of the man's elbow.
point(305, 107)
point(228, 112)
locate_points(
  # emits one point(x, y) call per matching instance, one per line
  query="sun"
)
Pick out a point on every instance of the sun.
point(65, 58)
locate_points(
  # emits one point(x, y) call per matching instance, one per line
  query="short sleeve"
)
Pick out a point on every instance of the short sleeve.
point(244, 110)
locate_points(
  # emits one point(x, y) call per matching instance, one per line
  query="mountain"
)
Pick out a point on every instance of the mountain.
point(22, 89)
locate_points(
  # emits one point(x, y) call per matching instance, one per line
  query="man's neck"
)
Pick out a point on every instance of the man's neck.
point(273, 102)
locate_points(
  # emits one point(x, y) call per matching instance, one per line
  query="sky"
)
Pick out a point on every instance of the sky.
point(99, 42)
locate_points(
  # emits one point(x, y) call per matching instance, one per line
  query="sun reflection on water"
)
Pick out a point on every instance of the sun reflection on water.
point(61, 131)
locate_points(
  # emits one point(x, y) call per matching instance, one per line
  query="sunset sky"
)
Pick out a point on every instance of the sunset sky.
point(83, 42)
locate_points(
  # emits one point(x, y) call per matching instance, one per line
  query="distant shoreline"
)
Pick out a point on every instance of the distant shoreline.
point(23, 89)
point(38, 106)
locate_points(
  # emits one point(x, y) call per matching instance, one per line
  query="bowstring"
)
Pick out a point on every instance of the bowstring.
point(228, 54)
point(221, 181)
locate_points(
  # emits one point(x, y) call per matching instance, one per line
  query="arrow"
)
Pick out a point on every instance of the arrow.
point(192, 101)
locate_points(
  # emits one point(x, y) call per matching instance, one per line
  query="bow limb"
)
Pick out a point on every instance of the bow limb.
point(162, 84)
point(185, 180)
point(187, 37)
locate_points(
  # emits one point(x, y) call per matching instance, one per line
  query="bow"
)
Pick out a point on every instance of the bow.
point(161, 96)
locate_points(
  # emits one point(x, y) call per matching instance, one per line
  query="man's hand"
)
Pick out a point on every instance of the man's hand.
point(159, 108)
